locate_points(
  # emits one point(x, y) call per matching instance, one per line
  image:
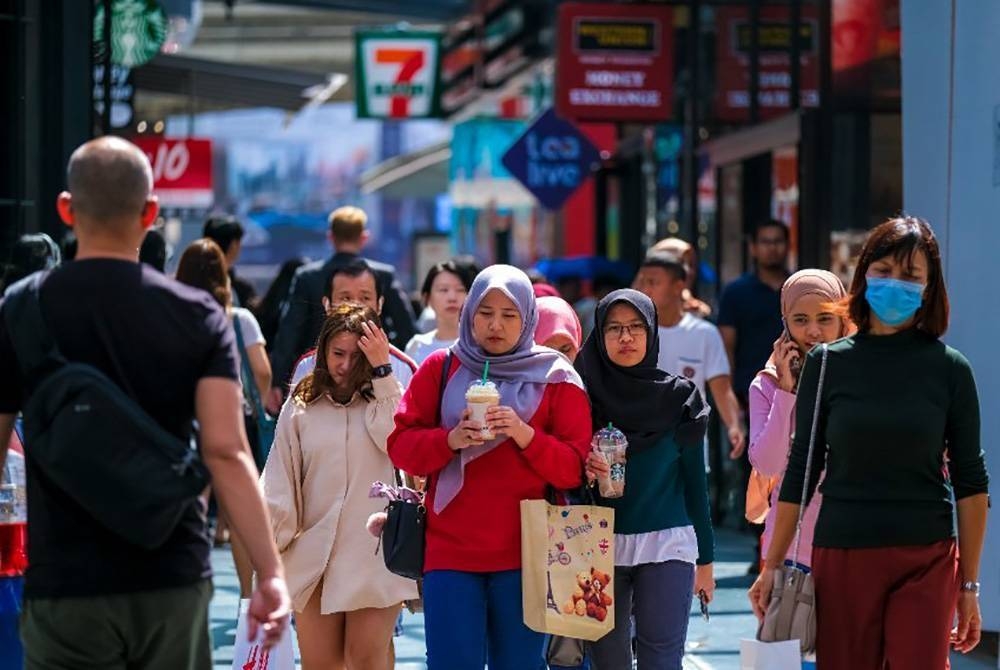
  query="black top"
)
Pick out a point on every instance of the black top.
point(156, 338)
point(893, 408)
point(754, 309)
point(243, 291)
point(303, 315)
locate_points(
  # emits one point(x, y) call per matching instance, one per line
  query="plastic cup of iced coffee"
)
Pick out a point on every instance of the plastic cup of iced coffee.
point(610, 443)
point(482, 395)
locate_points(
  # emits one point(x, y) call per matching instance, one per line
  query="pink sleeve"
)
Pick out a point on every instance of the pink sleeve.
point(771, 411)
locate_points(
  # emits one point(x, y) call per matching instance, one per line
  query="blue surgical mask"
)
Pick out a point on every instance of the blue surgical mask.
point(894, 301)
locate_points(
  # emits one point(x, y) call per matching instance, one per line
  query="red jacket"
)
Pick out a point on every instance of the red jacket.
point(480, 530)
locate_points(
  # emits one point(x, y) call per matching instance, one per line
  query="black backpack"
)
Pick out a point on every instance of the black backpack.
point(92, 440)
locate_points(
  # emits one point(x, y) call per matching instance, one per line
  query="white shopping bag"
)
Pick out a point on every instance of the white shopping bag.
point(757, 655)
point(252, 655)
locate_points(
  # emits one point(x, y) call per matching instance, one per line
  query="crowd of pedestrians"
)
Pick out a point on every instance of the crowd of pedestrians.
point(819, 389)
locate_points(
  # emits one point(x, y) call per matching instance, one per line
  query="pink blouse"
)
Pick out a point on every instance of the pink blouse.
point(772, 416)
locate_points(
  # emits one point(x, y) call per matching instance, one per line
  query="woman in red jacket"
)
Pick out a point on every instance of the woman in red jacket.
point(472, 567)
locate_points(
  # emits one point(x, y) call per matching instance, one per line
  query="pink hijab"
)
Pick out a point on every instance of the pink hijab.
point(809, 282)
point(557, 317)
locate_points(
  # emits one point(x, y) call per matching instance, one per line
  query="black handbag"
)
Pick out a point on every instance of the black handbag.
point(403, 535)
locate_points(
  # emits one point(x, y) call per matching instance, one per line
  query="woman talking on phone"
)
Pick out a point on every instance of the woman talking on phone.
point(897, 434)
point(808, 304)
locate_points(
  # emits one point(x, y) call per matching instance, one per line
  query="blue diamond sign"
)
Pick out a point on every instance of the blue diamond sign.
point(552, 158)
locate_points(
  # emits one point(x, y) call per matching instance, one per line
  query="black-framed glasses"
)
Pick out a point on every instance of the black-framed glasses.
point(616, 330)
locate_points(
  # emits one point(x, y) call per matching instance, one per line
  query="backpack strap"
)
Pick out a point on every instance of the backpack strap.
point(37, 352)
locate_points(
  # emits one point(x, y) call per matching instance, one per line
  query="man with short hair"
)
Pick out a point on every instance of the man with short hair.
point(355, 282)
point(227, 232)
point(750, 307)
point(304, 313)
point(92, 599)
point(689, 346)
point(687, 253)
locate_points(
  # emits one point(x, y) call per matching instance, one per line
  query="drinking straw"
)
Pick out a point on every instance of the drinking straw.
point(486, 371)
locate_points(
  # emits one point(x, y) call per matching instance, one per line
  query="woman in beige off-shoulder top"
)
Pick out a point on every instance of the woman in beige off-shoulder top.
point(329, 448)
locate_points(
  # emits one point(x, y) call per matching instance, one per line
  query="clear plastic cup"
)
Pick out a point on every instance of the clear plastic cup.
point(611, 443)
point(480, 396)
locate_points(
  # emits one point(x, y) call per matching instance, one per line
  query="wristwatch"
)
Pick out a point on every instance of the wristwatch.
point(382, 371)
point(972, 587)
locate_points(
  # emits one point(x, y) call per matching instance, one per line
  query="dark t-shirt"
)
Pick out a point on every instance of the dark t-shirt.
point(155, 338)
point(754, 309)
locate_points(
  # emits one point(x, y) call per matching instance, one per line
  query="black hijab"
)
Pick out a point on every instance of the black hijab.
point(642, 401)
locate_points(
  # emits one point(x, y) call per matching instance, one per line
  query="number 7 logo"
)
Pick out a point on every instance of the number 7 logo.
point(410, 62)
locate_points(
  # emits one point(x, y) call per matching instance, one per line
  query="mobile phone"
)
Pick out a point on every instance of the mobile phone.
point(703, 601)
point(796, 363)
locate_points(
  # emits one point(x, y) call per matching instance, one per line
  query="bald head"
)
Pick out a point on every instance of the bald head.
point(110, 181)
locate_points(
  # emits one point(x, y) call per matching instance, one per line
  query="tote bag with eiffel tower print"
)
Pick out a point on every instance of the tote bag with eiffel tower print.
point(567, 568)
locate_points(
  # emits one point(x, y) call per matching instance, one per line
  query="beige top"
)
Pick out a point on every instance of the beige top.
point(322, 464)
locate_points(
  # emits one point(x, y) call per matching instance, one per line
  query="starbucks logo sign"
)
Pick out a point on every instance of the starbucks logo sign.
point(138, 30)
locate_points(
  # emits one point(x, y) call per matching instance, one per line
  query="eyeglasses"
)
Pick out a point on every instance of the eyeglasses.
point(616, 330)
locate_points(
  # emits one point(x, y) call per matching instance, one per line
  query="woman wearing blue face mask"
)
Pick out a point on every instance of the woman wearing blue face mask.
point(898, 436)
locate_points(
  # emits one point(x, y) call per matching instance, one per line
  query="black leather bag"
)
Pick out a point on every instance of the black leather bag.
point(403, 539)
point(403, 535)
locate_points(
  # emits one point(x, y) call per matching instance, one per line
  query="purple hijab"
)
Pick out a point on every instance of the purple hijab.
point(520, 374)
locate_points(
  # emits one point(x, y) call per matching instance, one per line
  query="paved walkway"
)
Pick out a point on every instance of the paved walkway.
point(712, 645)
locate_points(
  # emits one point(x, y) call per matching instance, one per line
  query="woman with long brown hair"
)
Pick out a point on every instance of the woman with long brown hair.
point(203, 265)
point(329, 448)
point(897, 434)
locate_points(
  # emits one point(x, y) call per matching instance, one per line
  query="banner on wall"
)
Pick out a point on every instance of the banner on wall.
point(182, 170)
point(732, 63)
point(398, 74)
point(615, 62)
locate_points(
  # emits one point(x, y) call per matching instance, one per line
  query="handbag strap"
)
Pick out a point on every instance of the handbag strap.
point(445, 369)
point(809, 453)
point(249, 381)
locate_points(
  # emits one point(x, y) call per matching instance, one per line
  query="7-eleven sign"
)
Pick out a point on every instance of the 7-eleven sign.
point(398, 74)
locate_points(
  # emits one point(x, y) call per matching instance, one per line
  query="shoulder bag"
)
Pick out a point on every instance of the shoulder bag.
point(265, 422)
point(791, 614)
point(406, 522)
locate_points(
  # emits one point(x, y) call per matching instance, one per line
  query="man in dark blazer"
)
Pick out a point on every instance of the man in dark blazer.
point(303, 313)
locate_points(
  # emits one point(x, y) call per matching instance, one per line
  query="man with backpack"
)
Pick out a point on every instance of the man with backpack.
point(110, 362)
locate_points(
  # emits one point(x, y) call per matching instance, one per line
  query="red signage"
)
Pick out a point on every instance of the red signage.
point(732, 70)
point(182, 170)
point(615, 62)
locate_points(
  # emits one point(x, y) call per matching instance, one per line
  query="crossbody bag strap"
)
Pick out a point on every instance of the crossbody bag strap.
point(36, 350)
point(809, 453)
point(249, 381)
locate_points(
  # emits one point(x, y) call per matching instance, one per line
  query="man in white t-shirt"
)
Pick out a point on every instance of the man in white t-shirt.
point(689, 346)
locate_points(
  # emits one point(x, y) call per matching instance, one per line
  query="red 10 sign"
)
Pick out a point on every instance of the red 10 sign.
point(182, 170)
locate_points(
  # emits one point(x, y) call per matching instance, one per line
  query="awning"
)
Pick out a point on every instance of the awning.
point(441, 10)
point(417, 174)
point(236, 85)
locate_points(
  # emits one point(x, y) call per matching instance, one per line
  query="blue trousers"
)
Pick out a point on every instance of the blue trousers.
point(472, 620)
point(659, 594)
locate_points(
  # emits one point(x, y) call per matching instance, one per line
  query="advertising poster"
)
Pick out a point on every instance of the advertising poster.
point(615, 62)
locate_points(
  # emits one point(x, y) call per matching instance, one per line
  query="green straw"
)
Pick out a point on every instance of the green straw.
point(486, 371)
